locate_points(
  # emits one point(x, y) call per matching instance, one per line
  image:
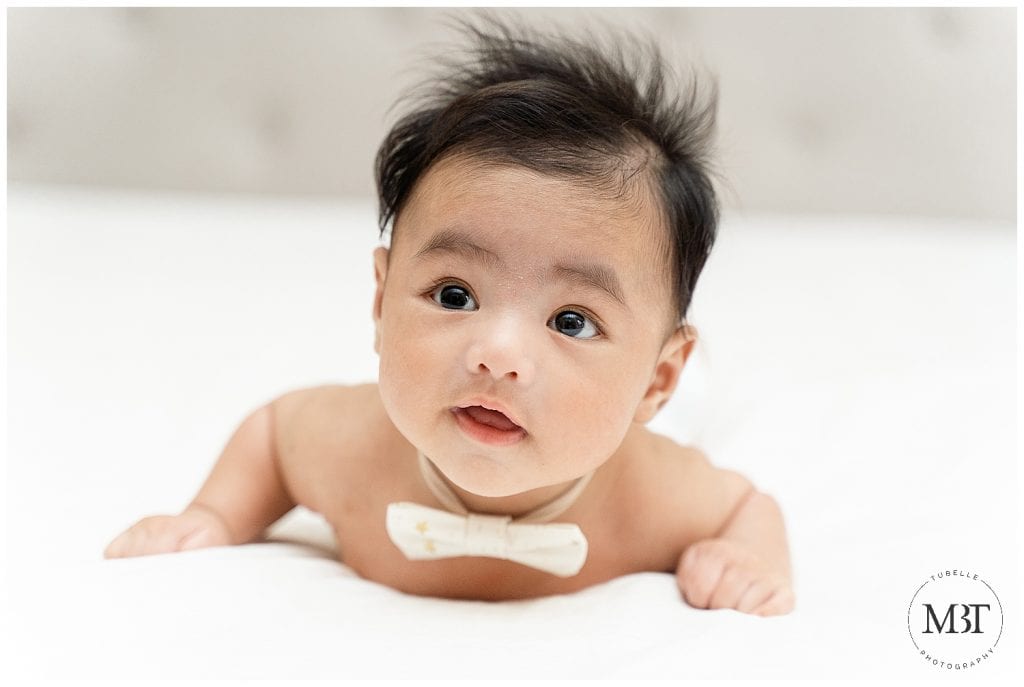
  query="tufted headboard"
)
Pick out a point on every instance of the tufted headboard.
point(835, 110)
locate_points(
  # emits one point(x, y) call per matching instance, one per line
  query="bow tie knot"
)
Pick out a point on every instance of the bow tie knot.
point(421, 532)
point(488, 535)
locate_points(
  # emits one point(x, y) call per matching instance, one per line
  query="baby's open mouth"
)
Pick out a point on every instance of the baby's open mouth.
point(488, 426)
point(491, 418)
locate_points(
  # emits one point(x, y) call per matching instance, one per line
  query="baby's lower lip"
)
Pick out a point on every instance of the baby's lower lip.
point(485, 433)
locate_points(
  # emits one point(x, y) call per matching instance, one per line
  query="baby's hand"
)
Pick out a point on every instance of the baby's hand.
point(718, 573)
point(195, 528)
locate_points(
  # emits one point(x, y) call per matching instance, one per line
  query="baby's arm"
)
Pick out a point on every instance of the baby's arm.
point(243, 495)
point(745, 565)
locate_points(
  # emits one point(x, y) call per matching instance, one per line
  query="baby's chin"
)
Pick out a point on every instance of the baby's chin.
point(479, 475)
point(489, 476)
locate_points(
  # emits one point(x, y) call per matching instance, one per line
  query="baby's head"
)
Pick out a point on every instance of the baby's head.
point(549, 218)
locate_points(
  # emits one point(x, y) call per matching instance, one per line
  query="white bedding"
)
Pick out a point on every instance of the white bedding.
point(861, 370)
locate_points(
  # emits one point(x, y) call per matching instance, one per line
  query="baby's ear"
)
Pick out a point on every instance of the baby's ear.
point(380, 273)
point(670, 365)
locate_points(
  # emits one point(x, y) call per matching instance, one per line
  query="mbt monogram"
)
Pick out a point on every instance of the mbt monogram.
point(930, 617)
point(955, 620)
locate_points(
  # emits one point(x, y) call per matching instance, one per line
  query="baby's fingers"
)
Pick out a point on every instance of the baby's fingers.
point(781, 602)
point(732, 587)
point(156, 534)
point(698, 575)
point(117, 547)
point(755, 596)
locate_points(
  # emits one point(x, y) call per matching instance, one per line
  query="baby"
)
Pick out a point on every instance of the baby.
point(550, 212)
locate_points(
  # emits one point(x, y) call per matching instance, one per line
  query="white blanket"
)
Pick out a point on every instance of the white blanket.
point(861, 370)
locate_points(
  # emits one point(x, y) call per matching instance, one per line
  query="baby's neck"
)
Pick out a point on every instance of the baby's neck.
point(514, 505)
point(536, 505)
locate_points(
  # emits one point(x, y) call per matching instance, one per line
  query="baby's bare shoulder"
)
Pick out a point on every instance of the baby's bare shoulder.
point(319, 433)
point(308, 415)
point(681, 488)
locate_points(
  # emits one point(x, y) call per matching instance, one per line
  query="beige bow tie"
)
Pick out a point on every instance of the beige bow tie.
point(421, 532)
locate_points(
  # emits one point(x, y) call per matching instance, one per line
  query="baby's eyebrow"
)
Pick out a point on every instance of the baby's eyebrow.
point(583, 273)
point(452, 241)
point(594, 275)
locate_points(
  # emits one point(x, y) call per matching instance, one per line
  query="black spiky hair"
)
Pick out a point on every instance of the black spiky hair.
point(598, 115)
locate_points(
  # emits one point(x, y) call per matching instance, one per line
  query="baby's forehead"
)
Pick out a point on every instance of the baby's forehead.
point(559, 214)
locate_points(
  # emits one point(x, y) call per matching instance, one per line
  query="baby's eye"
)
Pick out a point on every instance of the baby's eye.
point(453, 297)
point(572, 323)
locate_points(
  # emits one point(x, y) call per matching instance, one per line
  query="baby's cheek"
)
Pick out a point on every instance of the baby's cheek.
point(397, 381)
point(406, 359)
point(622, 388)
point(588, 422)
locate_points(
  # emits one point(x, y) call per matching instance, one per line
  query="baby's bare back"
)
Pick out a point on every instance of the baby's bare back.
point(341, 456)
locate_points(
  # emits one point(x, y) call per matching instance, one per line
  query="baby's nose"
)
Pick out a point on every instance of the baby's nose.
point(503, 355)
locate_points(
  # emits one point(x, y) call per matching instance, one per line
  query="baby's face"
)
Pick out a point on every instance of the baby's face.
point(509, 290)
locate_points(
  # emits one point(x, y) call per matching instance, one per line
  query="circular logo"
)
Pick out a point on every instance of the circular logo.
point(955, 620)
